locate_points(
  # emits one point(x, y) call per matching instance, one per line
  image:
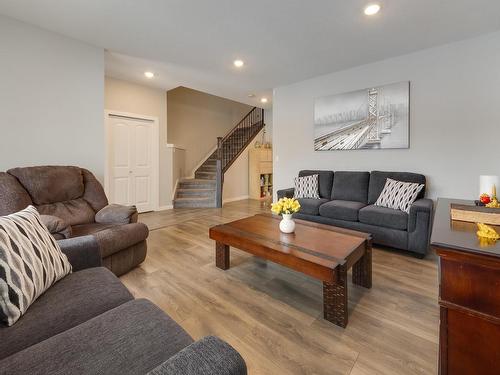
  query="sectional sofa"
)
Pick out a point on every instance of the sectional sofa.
point(89, 323)
point(347, 200)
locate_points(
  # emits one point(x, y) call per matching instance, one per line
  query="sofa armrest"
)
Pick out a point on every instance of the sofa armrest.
point(208, 356)
point(425, 206)
point(82, 252)
point(419, 226)
point(285, 193)
point(117, 214)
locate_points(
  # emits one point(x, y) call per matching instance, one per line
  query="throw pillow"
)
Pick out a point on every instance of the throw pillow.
point(31, 261)
point(398, 195)
point(306, 187)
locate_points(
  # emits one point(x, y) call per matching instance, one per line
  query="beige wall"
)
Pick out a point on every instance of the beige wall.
point(196, 119)
point(133, 98)
point(236, 178)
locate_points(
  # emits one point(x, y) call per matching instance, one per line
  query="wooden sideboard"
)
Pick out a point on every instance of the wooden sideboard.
point(469, 296)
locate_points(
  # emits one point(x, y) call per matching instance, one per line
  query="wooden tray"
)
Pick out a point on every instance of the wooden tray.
point(475, 214)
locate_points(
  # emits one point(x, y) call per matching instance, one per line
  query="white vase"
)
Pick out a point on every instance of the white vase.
point(287, 225)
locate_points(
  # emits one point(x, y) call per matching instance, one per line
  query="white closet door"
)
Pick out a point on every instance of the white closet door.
point(142, 186)
point(131, 172)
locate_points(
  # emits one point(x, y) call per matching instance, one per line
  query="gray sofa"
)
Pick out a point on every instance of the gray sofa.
point(347, 200)
point(72, 204)
point(89, 323)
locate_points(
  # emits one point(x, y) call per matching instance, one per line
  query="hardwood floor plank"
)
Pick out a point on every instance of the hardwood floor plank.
point(273, 315)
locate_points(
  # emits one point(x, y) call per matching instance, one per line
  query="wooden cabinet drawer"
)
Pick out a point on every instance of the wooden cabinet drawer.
point(473, 284)
point(266, 167)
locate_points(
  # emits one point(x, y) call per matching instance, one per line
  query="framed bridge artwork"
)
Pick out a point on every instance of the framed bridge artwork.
point(372, 118)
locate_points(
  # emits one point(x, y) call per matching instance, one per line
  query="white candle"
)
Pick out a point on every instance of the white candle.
point(488, 184)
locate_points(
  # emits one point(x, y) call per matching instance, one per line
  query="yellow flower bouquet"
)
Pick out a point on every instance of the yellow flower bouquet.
point(285, 206)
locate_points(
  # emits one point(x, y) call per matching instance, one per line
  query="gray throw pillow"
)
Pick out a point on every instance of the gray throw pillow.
point(306, 187)
point(31, 261)
point(398, 195)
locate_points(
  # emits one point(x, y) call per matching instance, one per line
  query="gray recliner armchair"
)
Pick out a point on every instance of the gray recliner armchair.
point(73, 204)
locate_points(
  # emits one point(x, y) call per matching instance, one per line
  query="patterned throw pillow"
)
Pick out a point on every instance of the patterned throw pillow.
point(398, 195)
point(31, 261)
point(306, 187)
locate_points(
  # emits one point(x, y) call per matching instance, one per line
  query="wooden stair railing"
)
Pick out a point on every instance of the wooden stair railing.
point(232, 145)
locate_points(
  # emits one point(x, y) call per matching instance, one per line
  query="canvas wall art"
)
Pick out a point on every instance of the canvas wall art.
point(373, 118)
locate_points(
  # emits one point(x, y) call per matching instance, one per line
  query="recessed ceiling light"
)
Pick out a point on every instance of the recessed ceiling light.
point(263, 100)
point(372, 9)
point(149, 74)
point(251, 95)
point(238, 63)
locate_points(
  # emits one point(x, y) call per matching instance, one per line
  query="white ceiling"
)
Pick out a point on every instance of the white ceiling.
point(193, 43)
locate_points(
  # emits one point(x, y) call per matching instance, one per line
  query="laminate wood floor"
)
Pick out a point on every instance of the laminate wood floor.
point(273, 316)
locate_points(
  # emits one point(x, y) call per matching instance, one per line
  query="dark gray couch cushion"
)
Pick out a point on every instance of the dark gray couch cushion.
point(325, 181)
point(384, 217)
point(342, 210)
point(351, 186)
point(75, 299)
point(133, 338)
point(310, 206)
point(378, 179)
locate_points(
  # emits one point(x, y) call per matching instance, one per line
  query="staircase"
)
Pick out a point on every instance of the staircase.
point(205, 190)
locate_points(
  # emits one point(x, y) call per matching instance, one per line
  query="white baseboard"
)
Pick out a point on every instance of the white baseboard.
point(166, 207)
point(234, 199)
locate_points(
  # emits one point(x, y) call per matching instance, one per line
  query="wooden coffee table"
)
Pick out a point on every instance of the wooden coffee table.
point(321, 251)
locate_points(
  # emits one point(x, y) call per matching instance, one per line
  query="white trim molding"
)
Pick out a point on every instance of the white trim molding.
point(171, 145)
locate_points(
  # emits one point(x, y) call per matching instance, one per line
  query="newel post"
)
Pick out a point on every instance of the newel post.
point(219, 177)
